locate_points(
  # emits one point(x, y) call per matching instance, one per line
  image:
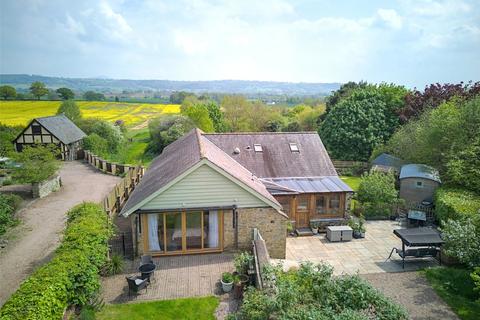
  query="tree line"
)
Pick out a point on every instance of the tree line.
point(38, 90)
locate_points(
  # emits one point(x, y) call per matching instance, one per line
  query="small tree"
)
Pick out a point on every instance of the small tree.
point(96, 144)
point(377, 193)
point(7, 92)
point(38, 89)
point(37, 163)
point(65, 93)
point(70, 109)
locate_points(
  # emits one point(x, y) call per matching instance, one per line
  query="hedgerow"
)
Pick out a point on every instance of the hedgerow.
point(72, 276)
point(452, 203)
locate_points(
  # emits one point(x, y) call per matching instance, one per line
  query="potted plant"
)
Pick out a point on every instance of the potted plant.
point(361, 226)
point(240, 281)
point(227, 281)
point(290, 228)
point(358, 226)
point(314, 226)
point(242, 262)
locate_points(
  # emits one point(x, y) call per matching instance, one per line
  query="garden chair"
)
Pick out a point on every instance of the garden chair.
point(135, 284)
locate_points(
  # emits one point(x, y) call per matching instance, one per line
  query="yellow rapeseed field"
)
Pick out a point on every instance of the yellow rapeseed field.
point(21, 112)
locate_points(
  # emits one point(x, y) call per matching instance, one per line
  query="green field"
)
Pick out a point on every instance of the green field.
point(353, 182)
point(21, 112)
point(188, 309)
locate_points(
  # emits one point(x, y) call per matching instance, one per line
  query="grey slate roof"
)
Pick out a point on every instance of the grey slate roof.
point(389, 161)
point(61, 127)
point(309, 185)
point(419, 171)
point(277, 160)
point(181, 155)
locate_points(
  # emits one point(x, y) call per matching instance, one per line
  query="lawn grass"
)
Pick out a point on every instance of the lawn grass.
point(133, 151)
point(455, 287)
point(353, 182)
point(21, 112)
point(190, 308)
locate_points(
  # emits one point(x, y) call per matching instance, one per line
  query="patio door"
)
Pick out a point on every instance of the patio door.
point(184, 232)
point(302, 211)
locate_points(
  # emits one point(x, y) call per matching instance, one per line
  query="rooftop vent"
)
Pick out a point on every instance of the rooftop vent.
point(294, 147)
point(236, 151)
point(257, 148)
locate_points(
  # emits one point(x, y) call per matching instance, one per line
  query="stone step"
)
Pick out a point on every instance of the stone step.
point(302, 232)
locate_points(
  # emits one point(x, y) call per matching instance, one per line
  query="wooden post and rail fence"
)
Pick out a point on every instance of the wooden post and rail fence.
point(115, 200)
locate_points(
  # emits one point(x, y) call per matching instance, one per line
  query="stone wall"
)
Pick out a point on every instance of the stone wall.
point(270, 223)
point(44, 188)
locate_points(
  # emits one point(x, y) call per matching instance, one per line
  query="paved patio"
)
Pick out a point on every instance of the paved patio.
point(175, 277)
point(359, 255)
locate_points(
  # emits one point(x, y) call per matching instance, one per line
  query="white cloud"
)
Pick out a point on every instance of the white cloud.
point(439, 8)
point(391, 18)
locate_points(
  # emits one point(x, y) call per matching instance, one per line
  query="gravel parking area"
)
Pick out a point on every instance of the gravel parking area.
point(412, 291)
point(43, 220)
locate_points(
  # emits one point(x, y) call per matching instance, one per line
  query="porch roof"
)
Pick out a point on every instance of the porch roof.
point(307, 185)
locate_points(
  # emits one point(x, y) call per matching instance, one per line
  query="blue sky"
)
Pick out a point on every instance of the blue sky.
point(411, 42)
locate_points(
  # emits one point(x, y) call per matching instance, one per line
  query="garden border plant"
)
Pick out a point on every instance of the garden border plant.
point(71, 278)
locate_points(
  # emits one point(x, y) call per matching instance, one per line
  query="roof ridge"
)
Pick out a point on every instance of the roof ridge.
point(259, 133)
point(201, 149)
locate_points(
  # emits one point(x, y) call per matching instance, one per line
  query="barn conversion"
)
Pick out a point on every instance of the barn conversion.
point(57, 130)
point(206, 192)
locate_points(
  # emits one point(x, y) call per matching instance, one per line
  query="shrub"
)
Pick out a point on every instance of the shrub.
point(242, 262)
point(8, 205)
point(462, 239)
point(475, 275)
point(311, 292)
point(96, 144)
point(37, 164)
point(377, 194)
point(113, 266)
point(454, 203)
point(227, 277)
point(71, 277)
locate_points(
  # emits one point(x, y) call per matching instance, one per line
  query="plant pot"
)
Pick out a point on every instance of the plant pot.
point(226, 286)
point(315, 230)
point(238, 290)
point(357, 234)
point(362, 235)
point(244, 279)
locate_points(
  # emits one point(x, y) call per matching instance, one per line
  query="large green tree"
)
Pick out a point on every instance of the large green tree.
point(65, 93)
point(166, 129)
point(38, 89)
point(70, 109)
point(7, 92)
point(197, 111)
point(93, 96)
point(357, 124)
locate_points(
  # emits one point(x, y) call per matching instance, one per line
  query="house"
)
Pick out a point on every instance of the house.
point(418, 183)
point(58, 130)
point(387, 163)
point(206, 192)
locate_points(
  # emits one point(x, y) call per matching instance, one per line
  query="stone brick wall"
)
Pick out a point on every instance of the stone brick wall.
point(268, 221)
point(44, 188)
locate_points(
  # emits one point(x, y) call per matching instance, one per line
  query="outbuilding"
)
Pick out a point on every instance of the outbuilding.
point(57, 130)
point(418, 183)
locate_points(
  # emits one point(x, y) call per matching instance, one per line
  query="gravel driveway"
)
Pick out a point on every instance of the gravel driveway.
point(43, 220)
point(412, 291)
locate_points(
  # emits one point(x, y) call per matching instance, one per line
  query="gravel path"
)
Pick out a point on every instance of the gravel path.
point(411, 290)
point(33, 241)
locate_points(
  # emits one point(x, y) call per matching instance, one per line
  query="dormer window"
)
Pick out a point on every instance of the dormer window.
point(257, 148)
point(294, 147)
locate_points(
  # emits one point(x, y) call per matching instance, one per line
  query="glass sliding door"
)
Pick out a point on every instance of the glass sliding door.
point(173, 231)
point(212, 229)
point(194, 230)
point(183, 232)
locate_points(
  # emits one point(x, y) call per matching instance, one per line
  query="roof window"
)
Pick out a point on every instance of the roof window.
point(294, 147)
point(257, 148)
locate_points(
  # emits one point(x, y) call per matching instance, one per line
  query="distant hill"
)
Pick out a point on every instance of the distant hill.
point(23, 81)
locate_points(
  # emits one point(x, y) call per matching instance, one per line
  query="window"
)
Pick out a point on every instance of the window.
point(419, 184)
point(334, 203)
point(321, 204)
point(257, 148)
point(36, 129)
point(294, 147)
point(302, 203)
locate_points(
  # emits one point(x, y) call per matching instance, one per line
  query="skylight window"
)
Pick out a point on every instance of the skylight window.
point(257, 148)
point(294, 147)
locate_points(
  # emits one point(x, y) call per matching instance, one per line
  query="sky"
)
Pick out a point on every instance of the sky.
point(410, 42)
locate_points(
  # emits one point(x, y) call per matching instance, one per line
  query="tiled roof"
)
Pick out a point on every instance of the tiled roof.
point(62, 128)
point(277, 159)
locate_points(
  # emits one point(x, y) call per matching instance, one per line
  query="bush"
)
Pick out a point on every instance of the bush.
point(71, 277)
point(454, 203)
point(462, 240)
point(96, 144)
point(8, 205)
point(311, 292)
point(377, 194)
point(37, 164)
point(242, 262)
point(70, 109)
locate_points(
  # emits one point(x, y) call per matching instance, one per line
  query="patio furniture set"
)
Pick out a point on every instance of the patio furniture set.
point(147, 273)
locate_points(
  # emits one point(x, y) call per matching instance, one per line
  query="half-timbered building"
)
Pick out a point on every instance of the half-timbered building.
point(57, 130)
